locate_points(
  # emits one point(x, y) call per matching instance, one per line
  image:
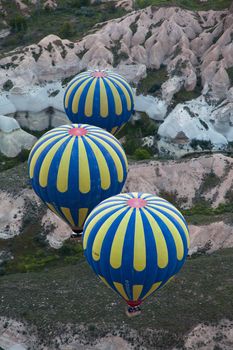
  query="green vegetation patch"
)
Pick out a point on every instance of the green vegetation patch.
point(153, 81)
point(188, 4)
point(230, 74)
point(203, 214)
point(30, 249)
point(8, 163)
point(72, 20)
point(184, 96)
point(8, 85)
point(132, 135)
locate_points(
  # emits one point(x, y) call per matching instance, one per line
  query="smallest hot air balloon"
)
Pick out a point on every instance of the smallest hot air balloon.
point(135, 243)
point(101, 98)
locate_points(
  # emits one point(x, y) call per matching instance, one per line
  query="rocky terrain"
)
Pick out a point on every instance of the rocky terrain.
point(201, 187)
point(33, 240)
point(174, 55)
point(180, 64)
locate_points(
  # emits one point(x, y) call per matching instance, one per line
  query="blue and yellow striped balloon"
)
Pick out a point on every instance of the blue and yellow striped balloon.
point(74, 167)
point(101, 98)
point(135, 243)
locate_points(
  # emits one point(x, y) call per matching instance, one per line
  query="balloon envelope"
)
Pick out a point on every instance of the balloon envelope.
point(74, 167)
point(100, 98)
point(135, 242)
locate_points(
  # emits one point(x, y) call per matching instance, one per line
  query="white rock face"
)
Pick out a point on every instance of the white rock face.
point(14, 335)
point(12, 211)
point(6, 106)
point(148, 141)
point(37, 108)
point(11, 215)
point(8, 125)
point(156, 109)
point(222, 119)
point(193, 121)
point(60, 232)
point(205, 337)
point(12, 139)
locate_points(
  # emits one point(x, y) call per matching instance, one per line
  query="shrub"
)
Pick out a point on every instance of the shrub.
point(80, 3)
point(131, 144)
point(205, 145)
point(142, 153)
point(8, 85)
point(66, 30)
point(230, 74)
point(18, 24)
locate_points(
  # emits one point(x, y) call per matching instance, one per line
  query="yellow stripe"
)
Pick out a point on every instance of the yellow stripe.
point(114, 130)
point(89, 99)
point(112, 74)
point(77, 95)
point(153, 288)
point(103, 100)
point(52, 133)
point(95, 219)
point(119, 287)
point(51, 207)
point(72, 87)
point(42, 140)
point(64, 166)
point(44, 170)
point(124, 81)
point(102, 165)
point(160, 242)
point(104, 280)
point(114, 155)
point(139, 260)
point(174, 232)
point(116, 96)
point(137, 289)
point(84, 170)
point(118, 241)
point(134, 194)
point(127, 96)
point(102, 232)
point(38, 153)
point(179, 220)
point(107, 205)
point(82, 214)
point(151, 196)
point(169, 280)
point(123, 196)
point(68, 216)
point(113, 142)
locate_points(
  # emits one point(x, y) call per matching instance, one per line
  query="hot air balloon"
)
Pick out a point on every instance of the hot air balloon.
point(135, 243)
point(101, 98)
point(73, 168)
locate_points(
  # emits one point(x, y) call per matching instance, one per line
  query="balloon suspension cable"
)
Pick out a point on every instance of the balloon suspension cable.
point(133, 309)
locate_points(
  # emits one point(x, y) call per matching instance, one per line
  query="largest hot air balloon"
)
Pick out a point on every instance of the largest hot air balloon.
point(74, 167)
point(135, 243)
point(101, 98)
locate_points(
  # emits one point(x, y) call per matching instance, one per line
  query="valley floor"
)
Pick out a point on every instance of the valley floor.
point(72, 297)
